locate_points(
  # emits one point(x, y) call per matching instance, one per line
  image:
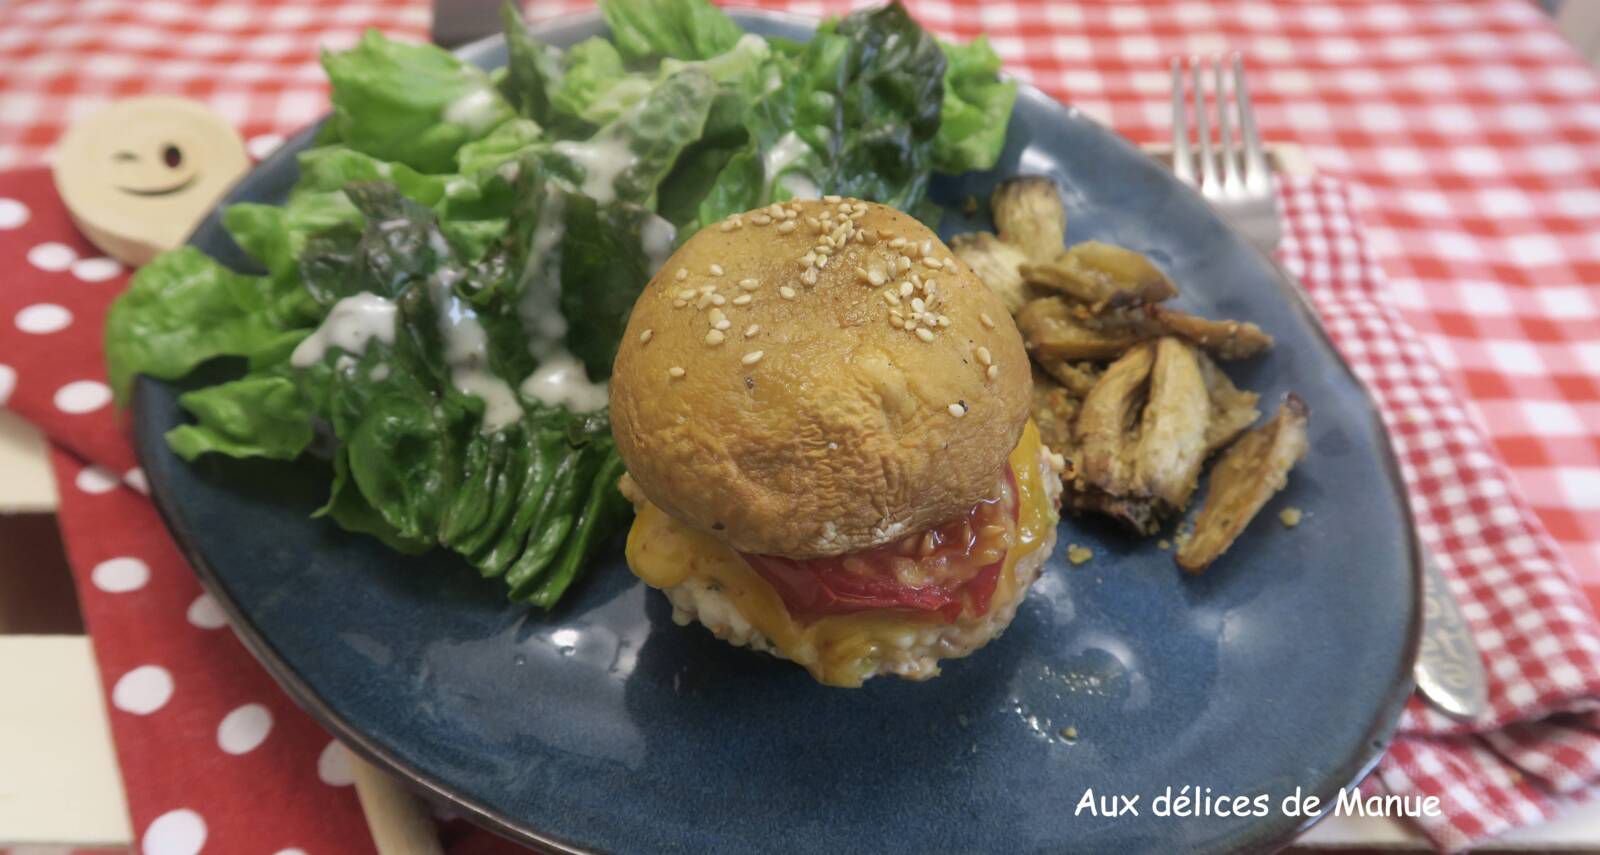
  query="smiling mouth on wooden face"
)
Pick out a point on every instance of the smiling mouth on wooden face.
point(161, 191)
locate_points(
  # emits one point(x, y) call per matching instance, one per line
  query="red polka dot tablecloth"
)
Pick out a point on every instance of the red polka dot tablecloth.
point(1466, 135)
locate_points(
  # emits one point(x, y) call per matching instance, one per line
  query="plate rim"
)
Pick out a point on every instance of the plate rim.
point(1272, 836)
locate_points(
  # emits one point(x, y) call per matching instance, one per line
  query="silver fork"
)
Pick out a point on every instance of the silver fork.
point(1233, 172)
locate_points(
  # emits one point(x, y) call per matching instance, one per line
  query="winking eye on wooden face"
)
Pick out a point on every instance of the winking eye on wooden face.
point(138, 175)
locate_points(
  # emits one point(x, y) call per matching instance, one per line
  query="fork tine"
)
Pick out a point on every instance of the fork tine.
point(1255, 159)
point(1182, 157)
point(1232, 183)
point(1209, 184)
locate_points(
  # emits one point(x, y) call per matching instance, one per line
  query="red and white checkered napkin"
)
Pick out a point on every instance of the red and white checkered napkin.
point(1539, 748)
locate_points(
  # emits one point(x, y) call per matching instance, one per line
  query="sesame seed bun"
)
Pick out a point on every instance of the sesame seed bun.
point(828, 428)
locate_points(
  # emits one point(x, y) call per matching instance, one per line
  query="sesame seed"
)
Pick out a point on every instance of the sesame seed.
point(682, 274)
point(680, 303)
point(861, 273)
point(675, 372)
point(896, 321)
point(750, 331)
point(646, 336)
point(786, 292)
point(742, 300)
point(707, 288)
point(930, 261)
point(898, 242)
point(943, 321)
point(917, 305)
point(904, 264)
point(749, 284)
point(822, 261)
point(906, 289)
point(891, 297)
point(994, 371)
point(987, 321)
point(809, 277)
point(715, 316)
point(812, 222)
point(726, 226)
point(984, 356)
point(958, 410)
point(687, 294)
point(831, 199)
point(716, 270)
point(810, 259)
point(924, 333)
point(876, 277)
point(927, 247)
point(724, 324)
point(786, 227)
point(761, 220)
point(718, 300)
point(775, 210)
point(714, 338)
point(928, 286)
point(753, 357)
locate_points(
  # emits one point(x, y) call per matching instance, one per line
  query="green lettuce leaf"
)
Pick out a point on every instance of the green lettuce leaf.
point(680, 29)
point(977, 108)
point(533, 68)
point(413, 104)
point(257, 416)
point(183, 309)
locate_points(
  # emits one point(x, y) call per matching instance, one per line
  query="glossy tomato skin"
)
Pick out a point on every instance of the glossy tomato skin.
point(942, 560)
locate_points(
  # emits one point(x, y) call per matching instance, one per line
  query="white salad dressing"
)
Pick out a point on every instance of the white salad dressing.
point(354, 321)
point(561, 380)
point(603, 160)
point(466, 352)
point(789, 149)
point(656, 237)
point(474, 111)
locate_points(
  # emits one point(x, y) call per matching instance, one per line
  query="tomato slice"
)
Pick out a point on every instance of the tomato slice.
point(940, 571)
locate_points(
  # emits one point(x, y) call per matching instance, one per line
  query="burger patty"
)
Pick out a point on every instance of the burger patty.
point(917, 654)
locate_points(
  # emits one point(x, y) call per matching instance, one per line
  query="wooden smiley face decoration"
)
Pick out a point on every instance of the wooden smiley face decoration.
point(139, 175)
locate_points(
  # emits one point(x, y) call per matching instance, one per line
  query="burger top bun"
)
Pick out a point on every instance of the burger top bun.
point(816, 378)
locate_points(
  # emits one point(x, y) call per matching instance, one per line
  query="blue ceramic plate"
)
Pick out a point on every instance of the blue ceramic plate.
point(602, 725)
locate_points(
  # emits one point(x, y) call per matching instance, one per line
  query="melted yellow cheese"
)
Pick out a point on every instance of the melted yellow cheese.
point(837, 650)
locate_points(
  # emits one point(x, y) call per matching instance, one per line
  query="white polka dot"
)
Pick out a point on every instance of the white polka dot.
point(12, 213)
point(8, 382)
point(95, 480)
point(205, 613)
point(333, 766)
point(244, 729)
point(53, 257)
point(263, 146)
point(176, 832)
point(143, 690)
point(120, 575)
point(82, 396)
point(135, 478)
point(42, 318)
point(96, 269)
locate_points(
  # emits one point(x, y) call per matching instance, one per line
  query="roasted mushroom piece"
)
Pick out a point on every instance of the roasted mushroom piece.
point(1250, 472)
point(1102, 276)
point(1029, 215)
point(1222, 339)
point(1233, 410)
point(1053, 329)
point(997, 263)
point(1172, 432)
point(1106, 427)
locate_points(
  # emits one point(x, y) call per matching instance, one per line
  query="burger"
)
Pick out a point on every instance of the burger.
point(824, 418)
